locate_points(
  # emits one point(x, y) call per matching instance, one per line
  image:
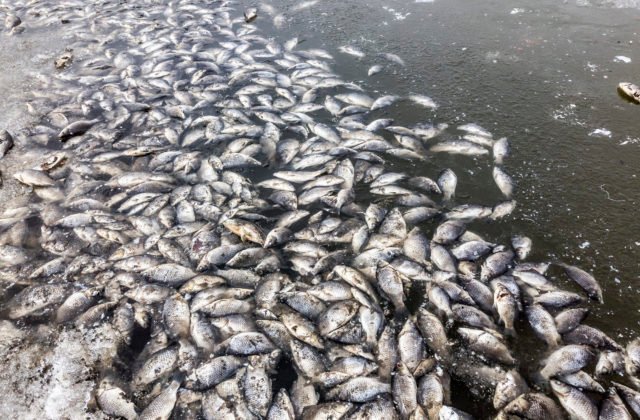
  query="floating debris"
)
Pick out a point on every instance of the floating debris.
point(600, 132)
point(622, 59)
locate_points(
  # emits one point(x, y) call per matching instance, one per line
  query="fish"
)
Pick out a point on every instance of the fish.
point(584, 334)
point(351, 50)
point(447, 182)
point(405, 390)
point(575, 402)
point(582, 381)
point(612, 407)
point(459, 147)
point(383, 101)
point(629, 396)
point(6, 142)
point(501, 150)
point(503, 181)
point(522, 246)
point(532, 405)
point(390, 282)
point(375, 69)
point(632, 362)
point(506, 307)
point(359, 390)
point(510, 388)
point(473, 128)
point(584, 280)
point(424, 101)
point(570, 319)
point(543, 325)
point(567, 359)
point(162, 406)
point(610, 362)
point(113, 401)
point(208, 209)
point(487, 345)
point(250, 14)
point(76, 128)
point(630, 91)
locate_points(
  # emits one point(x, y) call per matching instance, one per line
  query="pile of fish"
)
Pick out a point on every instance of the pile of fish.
point(257, 241)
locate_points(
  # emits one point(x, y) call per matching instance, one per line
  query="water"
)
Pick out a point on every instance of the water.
point(542, 75)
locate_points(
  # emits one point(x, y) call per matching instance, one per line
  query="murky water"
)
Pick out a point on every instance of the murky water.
point(545, 76)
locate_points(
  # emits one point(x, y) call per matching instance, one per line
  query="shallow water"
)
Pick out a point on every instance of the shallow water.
point(543, 76)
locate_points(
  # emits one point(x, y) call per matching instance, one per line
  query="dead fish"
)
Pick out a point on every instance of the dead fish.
point(405, 390)
point(584, 280)
point(503, 181)
point(630, 91)
point(394, 58)
point(543, 325)
point(113, 401)
point(375, 69)
point(250, 14)
point(613, 408)
point(610, 362)
point(487, 345)
point(359, 390)
point(459, 147)
point(506, 307)
point(390, 283)
point(424, 101)
point(474, 128)
point(448, 232)
point(584, 334)
point(522, 246)
point(566, 360)
point(633, 357)
point(34, 178)
point(532, 406)
point(11, 21)
point(501, 150)
point(383, 101)
point(245, 230)
point(36, 299)
point(76, 128)
point(162, 406)
point(630, 396)
point(582, 381)
point(510, 388)
point(6, 142)
point(577, 404)
point(351, 50)
point(447, 181)
point(570, 319)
